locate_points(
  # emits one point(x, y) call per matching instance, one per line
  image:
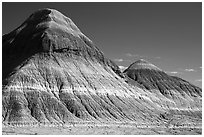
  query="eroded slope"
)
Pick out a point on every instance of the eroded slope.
point(186, 98)
point(54, 74)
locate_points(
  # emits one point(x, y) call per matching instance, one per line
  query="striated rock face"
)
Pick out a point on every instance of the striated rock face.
point(53, 73)
point(185, 97)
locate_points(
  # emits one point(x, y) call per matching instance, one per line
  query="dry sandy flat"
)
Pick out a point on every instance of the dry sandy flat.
point(97, 130)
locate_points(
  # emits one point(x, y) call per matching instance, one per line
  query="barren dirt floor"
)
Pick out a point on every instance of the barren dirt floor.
point(97, 130)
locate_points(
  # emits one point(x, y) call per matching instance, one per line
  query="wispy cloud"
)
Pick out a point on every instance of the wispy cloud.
point(119, 60)
point(141, 56)
point(198, 80)
point(157, 57)
point(172, 72)
point(132, 55)
point(189, 70)
point(122, 68)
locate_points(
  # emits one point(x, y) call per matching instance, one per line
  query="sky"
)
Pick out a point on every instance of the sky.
point(169, 35)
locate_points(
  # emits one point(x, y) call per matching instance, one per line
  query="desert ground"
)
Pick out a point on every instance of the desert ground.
point(99, 129)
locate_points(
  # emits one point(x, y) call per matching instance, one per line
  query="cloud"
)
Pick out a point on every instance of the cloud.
point(135, 55)
point(132, 55)
point(198, 80)
point(157, 57)
point(141, 56)
point(200, 67)
point(189, 70)
point(122, 68)
point(172, 72)
point(119, 60)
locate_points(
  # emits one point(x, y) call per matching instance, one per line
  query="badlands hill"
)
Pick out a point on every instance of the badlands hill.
point(53, 73)
point(185, 97)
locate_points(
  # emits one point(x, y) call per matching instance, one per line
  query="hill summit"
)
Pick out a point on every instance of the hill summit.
point(143, 64)
point(53, 19)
